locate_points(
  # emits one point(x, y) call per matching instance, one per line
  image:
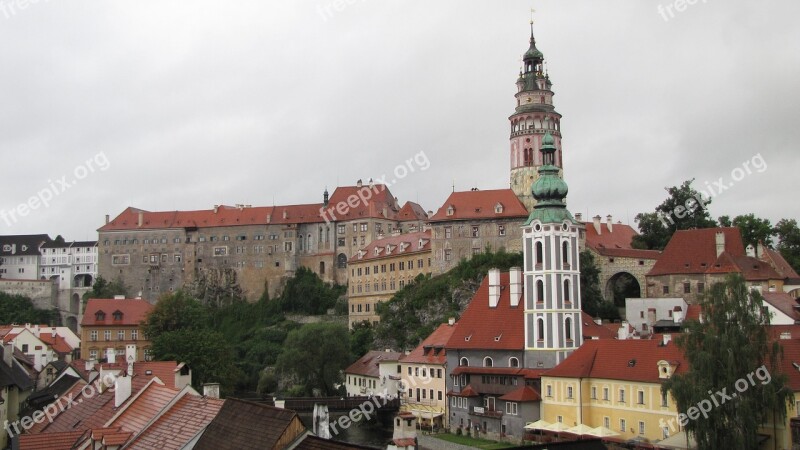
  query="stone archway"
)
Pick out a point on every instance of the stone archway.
point(75, 304)
point(620, 286)
point(72, 324)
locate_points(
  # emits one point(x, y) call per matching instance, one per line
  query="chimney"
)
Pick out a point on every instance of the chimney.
point(211, 390)
point(597, 225)
point(494, 287)
point(515, 277)
point(130, 357)
point(141, 218)
point(598, 321)
point(108, 219)
point(451, 321)
point(89, 365)
point(269, 218)
point(760, 250)
point(8, 354)
point(325, 197)
point(216, 209)
point(119, 297)
point(751, 251)
point(579, 217)
point(622, 334)
point(609, 223)
point(122, 389)
point(35, 330)
point(285, 214)
point(666, 339)
point(677, 314)
point(359, 183)
point(111, 355)
point(720, 243)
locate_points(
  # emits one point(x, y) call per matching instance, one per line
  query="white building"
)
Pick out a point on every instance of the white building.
point(644, 314)
point(73, 264)
point(374, 374)
point(19, 256)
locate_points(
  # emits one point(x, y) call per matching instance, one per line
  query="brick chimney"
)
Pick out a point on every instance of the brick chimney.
point(494, 287)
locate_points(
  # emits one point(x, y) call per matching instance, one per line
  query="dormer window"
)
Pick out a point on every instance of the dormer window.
point(498, 208)
point(100, 316)
point(450, 210)
point(117, 315)
point(665, 370)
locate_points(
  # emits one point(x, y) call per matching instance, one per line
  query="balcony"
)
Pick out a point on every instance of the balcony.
point(483, 411)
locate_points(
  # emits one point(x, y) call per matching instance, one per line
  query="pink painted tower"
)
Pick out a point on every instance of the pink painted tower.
point(533, 117)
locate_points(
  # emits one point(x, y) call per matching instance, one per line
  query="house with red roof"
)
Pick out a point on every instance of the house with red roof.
point(375, 374)
point(111, 325)
point(384, 267)
point(423, 374)
point(693, 260)
point(470, 221)
point(610, 244)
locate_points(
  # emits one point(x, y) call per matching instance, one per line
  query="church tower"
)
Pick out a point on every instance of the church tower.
point(552, 272)
point(534, 116)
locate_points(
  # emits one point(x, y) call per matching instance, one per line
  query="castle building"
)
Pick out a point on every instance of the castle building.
point(533, 117)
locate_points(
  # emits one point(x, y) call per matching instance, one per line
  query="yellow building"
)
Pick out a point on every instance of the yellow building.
point(382, 268)
point(114, 324)
point(423, 374)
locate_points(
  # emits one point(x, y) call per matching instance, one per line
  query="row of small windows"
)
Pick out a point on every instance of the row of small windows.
point(687, 288)
point(540, 297)
point(475, 231)
point(489, 362)
point(134, 335)
point(391, 267)
point(540, 328)
point(539, 254)
point(640, 397)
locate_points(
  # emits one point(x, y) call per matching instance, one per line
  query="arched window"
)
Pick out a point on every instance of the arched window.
point(565, 253)
point(568, 328)
point(539, 253)
point(513, 362)
point(341, 260)
point(540, 291)
point(540, 329)
point(566, 291)
point(463, 362)
point(487, 362)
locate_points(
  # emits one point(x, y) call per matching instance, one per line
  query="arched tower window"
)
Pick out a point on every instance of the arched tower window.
point(568, 328)
point(487, 362)
point(540, 329)
point(513, 362)
point(566, 291)
point(540, 291)
point(463, 362)
point(565, 253)
point(539, 253)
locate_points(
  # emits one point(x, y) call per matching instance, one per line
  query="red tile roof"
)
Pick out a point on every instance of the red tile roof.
point(617, 242)
point(522, 394)
point(784, 303)
point(389, 247)
point(777, 261)
point(592, 330)
point(164, 370)
point(411, 212)
point(695, 251)
point(311, 442)
point(49, 441)
point(378, 197)
point(57, 343)
point(425, 353)
point(116, 438)
point(179, 424)
point(73, 392)
point(469, 205)
point(369, 364)
point(142, 409)
point(243, 425)
point(480, 326)
point(626, 360)
point(134, 311)
point(468, 391)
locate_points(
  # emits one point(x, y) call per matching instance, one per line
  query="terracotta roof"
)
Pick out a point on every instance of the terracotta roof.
point(411, 212)
point(246, 425)
point(390, 246)
point(404, 442)
point(133, 311)
point(626, 360)
point(72, 392)
point(468, 391)
point(693, 312)
point(368, 365)
point(144, 408)
point(592, 330)
point(164, 370)
point(116, 438)
point(695, 251)
point(377, 198)
point(57, 343)
point(49, 441)
point(179, 424)
point(469, 205)
point(779, 263)
point(784, 303)
point(317, 443)
point(480, 326)
point(431, 350)
point(616, 242)
point(522, 394)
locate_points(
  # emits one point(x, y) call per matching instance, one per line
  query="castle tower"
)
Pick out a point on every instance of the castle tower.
point(552, 272)
point(534, 116)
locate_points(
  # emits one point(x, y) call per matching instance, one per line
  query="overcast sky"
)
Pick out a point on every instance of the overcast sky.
point(187, 104)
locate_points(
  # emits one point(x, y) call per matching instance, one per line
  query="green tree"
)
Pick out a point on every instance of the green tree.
point(362, 338)
point(173, 312)
point(315, 356)
point(754, 229)
point(725, 221)
point(20, 309)
point(730, 344)
point(205, 351)
point(683, 209)
point(592, 301)
point(306, 293)
point(788, 235)
point(102, 288)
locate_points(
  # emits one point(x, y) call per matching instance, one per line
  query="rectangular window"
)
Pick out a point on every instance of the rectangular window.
point(641, 427)
point(622, 424)
point(594, 393)
point(121, 335)
point(364, 227)
point(622, 395)
point(107, 335)
point(665, 289)
point(687, 288)
point(134, 335)
point(501, 230)
point(448, 232)
point(476, 232)
point(93, 335)
point(701, 287)
point(223, 251)
point(549, 390)
point(569, 392)
point(448, 255)
point(120, 260)
point(664, 402)
point(93, 354)
point(605, 395)
point(640, 397)
point(607, 422)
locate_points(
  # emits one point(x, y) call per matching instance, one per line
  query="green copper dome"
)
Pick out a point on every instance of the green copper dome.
point(549, 189)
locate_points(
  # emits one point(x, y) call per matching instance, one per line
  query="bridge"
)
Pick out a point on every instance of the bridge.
point(334, 404)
